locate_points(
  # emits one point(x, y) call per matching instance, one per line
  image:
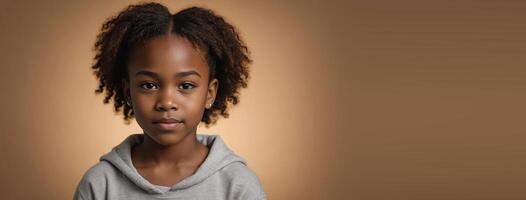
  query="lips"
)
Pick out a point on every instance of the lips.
point(167, 123)
point(167, 120)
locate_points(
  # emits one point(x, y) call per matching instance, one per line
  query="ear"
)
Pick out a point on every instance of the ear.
point(211, 93)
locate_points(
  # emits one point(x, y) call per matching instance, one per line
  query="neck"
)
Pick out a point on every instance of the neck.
point(182, 153)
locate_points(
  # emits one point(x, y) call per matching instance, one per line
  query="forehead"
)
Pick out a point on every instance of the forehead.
point(166, 55)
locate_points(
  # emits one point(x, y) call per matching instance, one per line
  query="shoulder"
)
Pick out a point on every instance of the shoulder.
point(98, 172)
point(94, 181)
point(239, 172)
point(243, 180)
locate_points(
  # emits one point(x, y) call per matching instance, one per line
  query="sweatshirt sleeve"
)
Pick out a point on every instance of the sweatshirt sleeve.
point(250, 191)
point(246, 184)
point(92, 186)
point(83, 191)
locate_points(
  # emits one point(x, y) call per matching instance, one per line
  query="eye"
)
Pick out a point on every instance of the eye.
point(186, 86)
point(148, 86)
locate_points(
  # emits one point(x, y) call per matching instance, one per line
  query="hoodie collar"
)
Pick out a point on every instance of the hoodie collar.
point(218, 157)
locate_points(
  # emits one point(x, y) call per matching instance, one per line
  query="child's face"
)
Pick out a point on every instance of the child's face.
point(169, 79)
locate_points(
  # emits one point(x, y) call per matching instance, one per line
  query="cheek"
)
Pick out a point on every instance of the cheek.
point(143, 104)
point(196, 101)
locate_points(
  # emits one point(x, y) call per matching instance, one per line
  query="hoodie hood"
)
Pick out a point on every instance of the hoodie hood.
point(218, 157)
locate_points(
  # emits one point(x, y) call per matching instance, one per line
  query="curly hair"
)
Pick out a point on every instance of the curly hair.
point(226, 54)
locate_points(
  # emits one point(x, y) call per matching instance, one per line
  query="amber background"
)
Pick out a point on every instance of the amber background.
point(360, 100)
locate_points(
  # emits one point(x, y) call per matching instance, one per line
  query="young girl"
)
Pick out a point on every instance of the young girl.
point(170, 72)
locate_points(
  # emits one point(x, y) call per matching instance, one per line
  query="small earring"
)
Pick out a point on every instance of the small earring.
point(209, 105)
point(128, 102)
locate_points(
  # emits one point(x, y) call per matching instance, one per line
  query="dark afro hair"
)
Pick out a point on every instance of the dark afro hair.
point(226, 54)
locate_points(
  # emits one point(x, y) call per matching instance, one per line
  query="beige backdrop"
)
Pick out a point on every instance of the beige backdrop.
point(359, 99)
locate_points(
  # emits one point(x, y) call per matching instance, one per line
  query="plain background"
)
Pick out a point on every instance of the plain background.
point(363, 99)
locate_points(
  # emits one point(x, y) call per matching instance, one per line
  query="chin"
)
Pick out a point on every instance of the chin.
point(166, 138)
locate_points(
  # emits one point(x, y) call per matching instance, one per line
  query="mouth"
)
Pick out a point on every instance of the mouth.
point(167, 123)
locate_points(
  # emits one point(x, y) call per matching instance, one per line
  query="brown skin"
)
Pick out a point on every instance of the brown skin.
point(168, 156)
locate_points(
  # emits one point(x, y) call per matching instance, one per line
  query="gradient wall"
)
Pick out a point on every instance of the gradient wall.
point(362, 100)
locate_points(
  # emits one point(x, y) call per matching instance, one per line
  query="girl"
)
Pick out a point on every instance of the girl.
point(170, 72)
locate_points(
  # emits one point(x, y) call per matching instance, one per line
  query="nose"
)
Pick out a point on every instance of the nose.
point(166, 100)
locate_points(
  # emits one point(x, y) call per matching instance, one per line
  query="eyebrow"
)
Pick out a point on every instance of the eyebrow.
point(178, 75)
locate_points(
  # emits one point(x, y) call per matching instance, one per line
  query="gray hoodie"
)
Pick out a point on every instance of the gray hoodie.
point(223, 175)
